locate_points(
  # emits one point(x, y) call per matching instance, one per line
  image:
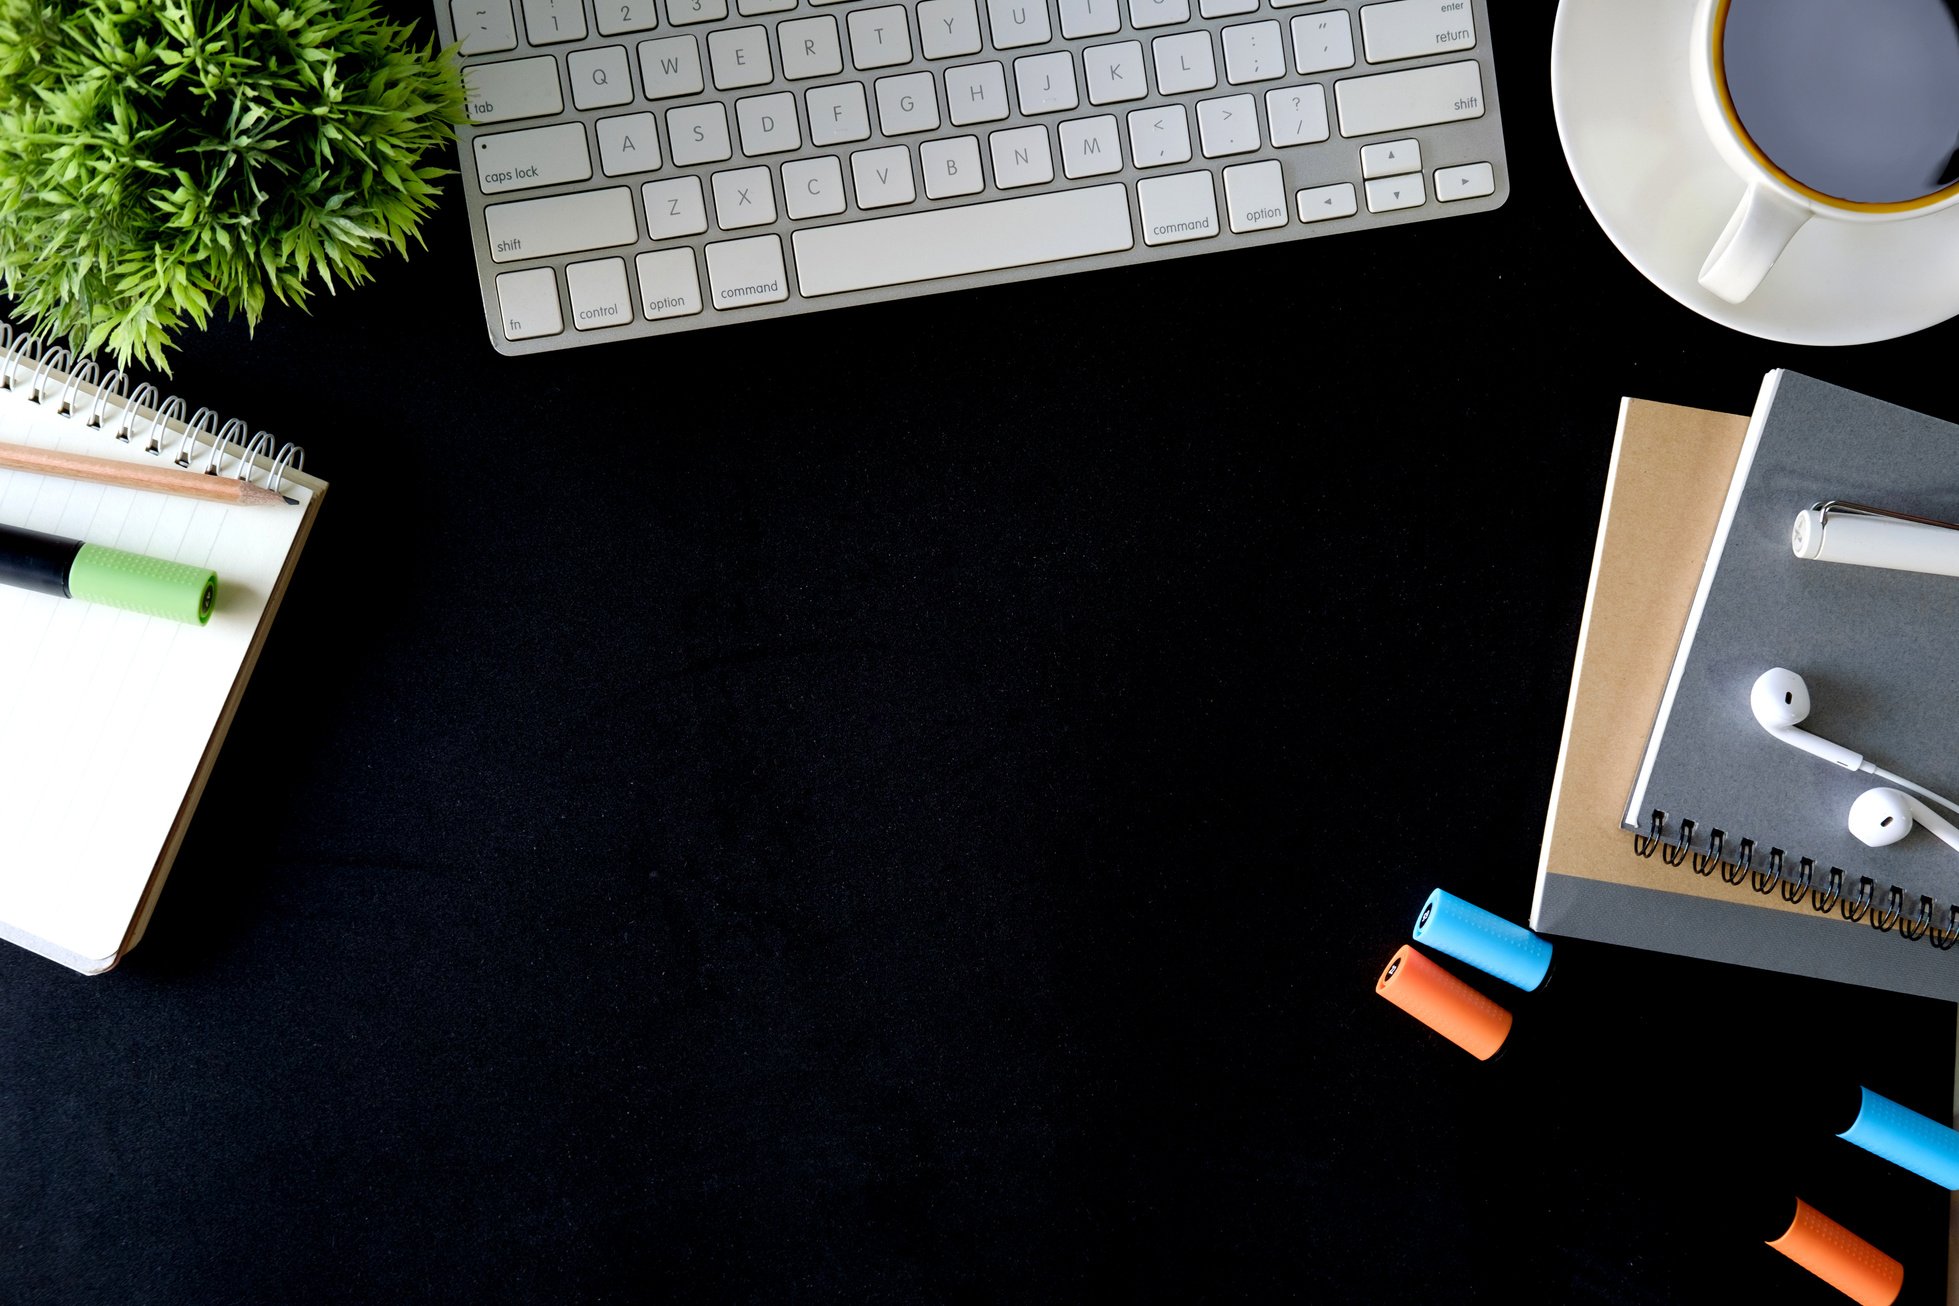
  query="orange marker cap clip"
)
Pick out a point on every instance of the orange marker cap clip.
point(1840, 1258)
point(1444, 1003)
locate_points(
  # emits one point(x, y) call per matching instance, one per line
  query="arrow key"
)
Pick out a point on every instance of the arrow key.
point(1466, 181)
point(1388, 193)
point(1320, 203)
point(1390, 158)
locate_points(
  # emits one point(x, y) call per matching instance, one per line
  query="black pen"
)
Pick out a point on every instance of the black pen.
point(70, 569)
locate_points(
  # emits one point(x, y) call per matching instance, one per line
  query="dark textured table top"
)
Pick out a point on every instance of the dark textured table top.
point(908, 804)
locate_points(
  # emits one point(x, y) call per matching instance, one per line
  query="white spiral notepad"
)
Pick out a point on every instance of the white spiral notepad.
point(110, 721)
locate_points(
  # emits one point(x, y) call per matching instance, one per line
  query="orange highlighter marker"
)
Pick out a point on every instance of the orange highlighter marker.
point(1444, 1003)
point(1840, 1258)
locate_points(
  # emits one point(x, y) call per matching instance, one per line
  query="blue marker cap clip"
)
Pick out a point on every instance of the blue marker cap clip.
point(1489, 943)
point(1905, 1138)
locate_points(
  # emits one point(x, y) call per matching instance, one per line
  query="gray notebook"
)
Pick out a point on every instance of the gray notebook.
point(1878, 649)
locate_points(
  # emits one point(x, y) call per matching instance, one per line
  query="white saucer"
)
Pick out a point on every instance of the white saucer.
point(1620, 86)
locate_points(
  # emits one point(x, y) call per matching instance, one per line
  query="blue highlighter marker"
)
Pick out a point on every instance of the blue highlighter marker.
point(1905, 1138)
point(1488, 942)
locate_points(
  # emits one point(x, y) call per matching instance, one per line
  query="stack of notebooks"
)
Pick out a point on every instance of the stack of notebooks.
point(1696, 591)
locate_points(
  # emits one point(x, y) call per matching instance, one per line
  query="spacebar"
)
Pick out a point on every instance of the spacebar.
point(953, 242)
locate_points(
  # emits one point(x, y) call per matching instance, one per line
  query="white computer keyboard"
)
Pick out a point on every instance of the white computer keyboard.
point(637, 167)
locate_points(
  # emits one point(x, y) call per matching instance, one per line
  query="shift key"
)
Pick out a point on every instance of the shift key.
point(561, 224)
point(1419, 97)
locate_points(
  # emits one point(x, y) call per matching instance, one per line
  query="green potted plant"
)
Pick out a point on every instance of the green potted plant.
point(162, 160)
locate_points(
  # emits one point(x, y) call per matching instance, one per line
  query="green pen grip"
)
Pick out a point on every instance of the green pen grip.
point(150, 586)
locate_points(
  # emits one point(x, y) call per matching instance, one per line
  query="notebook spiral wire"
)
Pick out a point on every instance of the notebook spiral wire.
point(1738, 864)
point(139, 413)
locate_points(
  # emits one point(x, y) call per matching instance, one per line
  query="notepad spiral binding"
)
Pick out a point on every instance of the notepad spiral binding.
point(133, 412)
point(1738, 865)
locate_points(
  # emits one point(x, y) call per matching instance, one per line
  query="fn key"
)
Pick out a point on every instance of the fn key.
point(529, 302)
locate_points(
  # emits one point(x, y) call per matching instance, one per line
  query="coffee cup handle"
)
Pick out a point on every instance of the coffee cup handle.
point(1761, 228)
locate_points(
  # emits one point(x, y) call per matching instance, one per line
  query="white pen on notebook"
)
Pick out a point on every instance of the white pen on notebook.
point(1863, 536)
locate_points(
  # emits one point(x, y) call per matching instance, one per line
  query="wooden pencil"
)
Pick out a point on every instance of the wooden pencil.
point(163, 479)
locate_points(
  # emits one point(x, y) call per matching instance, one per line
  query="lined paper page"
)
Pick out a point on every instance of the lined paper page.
point(105, 715)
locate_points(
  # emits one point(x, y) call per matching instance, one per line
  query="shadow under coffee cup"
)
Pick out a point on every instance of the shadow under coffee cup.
point(1846, 110)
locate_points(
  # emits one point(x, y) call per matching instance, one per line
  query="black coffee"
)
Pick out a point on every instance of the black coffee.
point(1858, 99)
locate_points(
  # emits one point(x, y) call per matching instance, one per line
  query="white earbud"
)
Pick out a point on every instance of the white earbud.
point(1780, 700)
point(1884, 816)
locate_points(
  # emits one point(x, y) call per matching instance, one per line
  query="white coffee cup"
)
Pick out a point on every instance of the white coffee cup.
point(1845, 110)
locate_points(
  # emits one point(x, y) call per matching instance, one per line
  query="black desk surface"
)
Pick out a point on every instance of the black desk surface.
point(909, 805)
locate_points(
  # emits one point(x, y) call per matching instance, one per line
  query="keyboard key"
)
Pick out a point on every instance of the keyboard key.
point(529, 303)
point(1115, 72)
point(1320, 203)
point(599, 297)
point(674, 208)
point(484, 27)
point(601, 78)
point(739, 57)
point(810, 48)
point(1184, 63)
point(1255, 195)
point(951, 167)
point(1465, 181)
point(548, 22)
point(670, 66)
point(668, 284)
point(617, 17)
point(948, 28)
point(516, 88)
point(879, 37)
point(750, 8)
point(560, 224)
point(1183, 207)
point(907, 104)
point(1419, 97)
point(1228, 125)
point(1386, 194)
point(542, 156)
point(1021, 158)
point(1018, 22)
point(743, 197)
point(1159, 136)
point(1322, 42)
point(1046, 83)
point(976, 92)
point(682, 13)
point(628, 144)
point(883, 177)
point(1297, 114)
point(813, 188)
point(744, 273)
point(1390, 158)
point(934, 243)
point(1226, 8)
point(1088, 147)
point(1157, 13)
point(1081, 18)
point(698, 133)
point(1253, 52)
point(1408, 29)
point(767, 124)
point(1293, 4)
point(838, 114)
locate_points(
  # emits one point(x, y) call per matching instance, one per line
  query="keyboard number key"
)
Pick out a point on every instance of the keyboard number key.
point(669, 285)
point(1322, 42)
point(620, 16)
point(674, 208)
point(529, 303)
point(681, 13)
point(1297, 114)
point(598, 294)
point(548, 22)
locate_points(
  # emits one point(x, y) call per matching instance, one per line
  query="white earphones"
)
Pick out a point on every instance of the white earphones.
point(1780, 701)
point(1884, 816)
